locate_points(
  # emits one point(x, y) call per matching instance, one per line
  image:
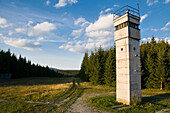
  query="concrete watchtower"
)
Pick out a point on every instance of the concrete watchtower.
point(128, 72)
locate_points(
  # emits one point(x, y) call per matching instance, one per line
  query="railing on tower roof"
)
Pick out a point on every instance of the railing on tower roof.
point(123, 10)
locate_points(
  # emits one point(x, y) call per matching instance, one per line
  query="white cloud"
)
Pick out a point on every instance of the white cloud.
point(22, 43)
point(115, 5)
point(145, 40)
point(107, 10)
point(166, 27)
point(85, 23)
point(101, 12)
point(98, 34)
point(154, 30)
point(29, 23)
point(74, 47)
point(63, 3)
point(167, 39)
point(3, 23)
point(45, 27)
point(151, 2)
point(76, 32)
point(10, 33)
point(40, 39)
point(103, 22)
point(20, 30)
point(72, 1)
point(79, 20)
point(143, 17)
point(167, 1)
point(41, 28)
point(47, 2)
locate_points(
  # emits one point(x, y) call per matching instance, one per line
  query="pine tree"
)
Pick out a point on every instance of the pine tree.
point(93, 73)
point(110, 68)
point(100, 63)
point(162, 64)
point(84, 72)
point(151, 80)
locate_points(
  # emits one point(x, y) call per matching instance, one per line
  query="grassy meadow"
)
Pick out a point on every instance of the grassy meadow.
point(22, 93)
point(45, 94)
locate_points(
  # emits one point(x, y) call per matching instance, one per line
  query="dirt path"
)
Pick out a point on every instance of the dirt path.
point(81, 106)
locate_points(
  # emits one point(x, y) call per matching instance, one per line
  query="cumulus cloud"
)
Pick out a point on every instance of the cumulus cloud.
point(63, 3)
point(77, 46)
point(79, 20)
point(166, 27)
point(22, 43)
point(103, 22)
point(151, 2)
point(43, 27)
point(47, 2)
point(29, 23)
point(96, 34)
point(20, 30)
point(145, 40)
point(3, 23)
point(167, 1)
point(143, 17)
point(76, 32)
point(167, 39)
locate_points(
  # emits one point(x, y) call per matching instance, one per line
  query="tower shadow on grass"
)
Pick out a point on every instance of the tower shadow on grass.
point(155, 99)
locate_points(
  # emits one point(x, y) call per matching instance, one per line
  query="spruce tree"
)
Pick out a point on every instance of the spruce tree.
point(110, 68)
point(151, 80)
point(84, 72)
point(100, 63)
point(93, 73)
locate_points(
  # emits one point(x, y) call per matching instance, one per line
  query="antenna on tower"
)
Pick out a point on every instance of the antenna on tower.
point(138, 9)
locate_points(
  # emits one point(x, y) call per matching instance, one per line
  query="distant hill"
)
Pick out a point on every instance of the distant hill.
point(53, 68)
point(68, 73)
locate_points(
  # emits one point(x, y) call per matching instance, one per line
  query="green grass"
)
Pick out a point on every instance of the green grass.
point(34, 89)
point(55, 90)
point(155, 100)
point(98, 88)
point(18, 91)
point(104, 102)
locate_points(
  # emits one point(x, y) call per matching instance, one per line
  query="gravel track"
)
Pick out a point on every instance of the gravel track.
point(81, 106)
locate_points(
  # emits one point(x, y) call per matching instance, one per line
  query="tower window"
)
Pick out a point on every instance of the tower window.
point(121, 49)
point(134, 48)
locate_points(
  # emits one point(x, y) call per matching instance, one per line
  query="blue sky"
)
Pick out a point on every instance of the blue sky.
point(58, 32)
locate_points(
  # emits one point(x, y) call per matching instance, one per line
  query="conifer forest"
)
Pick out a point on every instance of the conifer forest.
point(100, 66)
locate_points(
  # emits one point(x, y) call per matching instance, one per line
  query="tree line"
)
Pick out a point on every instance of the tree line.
point(21, 67)
point(100, 66)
